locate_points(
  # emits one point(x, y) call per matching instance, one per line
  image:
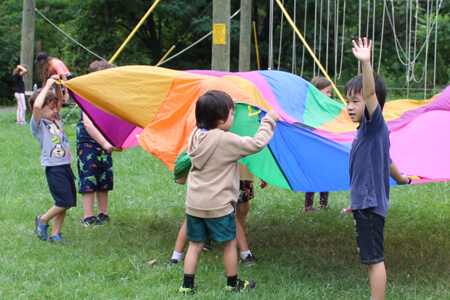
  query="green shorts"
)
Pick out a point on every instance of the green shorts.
point(219, 229)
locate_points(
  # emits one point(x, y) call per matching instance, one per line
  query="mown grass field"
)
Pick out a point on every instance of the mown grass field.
point(300, 256)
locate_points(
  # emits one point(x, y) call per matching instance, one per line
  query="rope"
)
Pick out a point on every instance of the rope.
point(343, 38)
point(281, 39)
point(270, 63)
point(320, 35)
point(373, 31)
point(397, 42)
point(336, 17)
point(195, 43)
point(315, 36)
point(381, 38)
point(304, 33)
point(69, 114)
point(178, 40)
point(136, 28)
point(359, 31)
point(435, 52)
point(294, 61)
point(69, 36)
point(368, 17)
point(328, 34)
point(309, 50)
point(425, 67)
point(408, 42)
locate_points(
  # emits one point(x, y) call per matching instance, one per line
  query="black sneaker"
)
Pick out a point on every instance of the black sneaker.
point(249, 261)
point(103, 218)
point(90, 221)
point(242, 285)
point(173, 261)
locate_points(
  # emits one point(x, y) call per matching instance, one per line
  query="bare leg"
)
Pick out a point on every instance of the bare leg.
point(182, 239)
point(377, 275)
point(241, 239)
point(58, 222)
point(240, 216)
point(191, 259)
point(51, 213)
point(88, 204)
point(229, 257)
point(102, 202)
point(242, 209)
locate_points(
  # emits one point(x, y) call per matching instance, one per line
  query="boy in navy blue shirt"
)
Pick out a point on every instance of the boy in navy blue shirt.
point(370, 166)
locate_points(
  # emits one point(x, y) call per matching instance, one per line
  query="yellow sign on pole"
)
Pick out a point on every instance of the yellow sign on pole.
point(220, 34)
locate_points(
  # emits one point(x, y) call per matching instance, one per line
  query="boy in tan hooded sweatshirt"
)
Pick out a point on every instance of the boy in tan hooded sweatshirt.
point(213, 185)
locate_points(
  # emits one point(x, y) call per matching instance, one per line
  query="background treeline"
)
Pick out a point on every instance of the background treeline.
point(102, 26)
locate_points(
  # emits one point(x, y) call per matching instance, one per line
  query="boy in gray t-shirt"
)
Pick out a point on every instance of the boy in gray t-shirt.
point(55, 157)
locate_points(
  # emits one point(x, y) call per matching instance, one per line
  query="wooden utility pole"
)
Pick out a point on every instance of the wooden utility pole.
point(27, 44)
point(245, 35)
point(221, 36)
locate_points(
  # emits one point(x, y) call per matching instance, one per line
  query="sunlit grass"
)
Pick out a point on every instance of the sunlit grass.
point(300, 256)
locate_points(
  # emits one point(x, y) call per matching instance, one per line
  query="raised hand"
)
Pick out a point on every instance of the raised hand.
point(362, 50)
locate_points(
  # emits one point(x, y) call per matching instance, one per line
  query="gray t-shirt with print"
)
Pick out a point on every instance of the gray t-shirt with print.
point(53, 140)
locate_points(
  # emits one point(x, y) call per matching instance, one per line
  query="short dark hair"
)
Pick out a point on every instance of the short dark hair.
point(320, 82)
point(212, 107)
point(49, 98)
point(98, 65)
point(355, 86)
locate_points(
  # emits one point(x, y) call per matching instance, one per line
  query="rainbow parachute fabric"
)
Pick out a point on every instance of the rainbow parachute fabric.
point(310, 148)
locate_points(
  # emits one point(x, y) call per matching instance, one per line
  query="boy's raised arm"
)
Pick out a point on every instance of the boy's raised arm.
point(40, 99)
point(361, 50)
point(59, 93)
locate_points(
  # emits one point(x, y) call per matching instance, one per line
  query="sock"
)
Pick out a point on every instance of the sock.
point(232, 280)
point(188, 281)
point(177, 255)
point(244, 254)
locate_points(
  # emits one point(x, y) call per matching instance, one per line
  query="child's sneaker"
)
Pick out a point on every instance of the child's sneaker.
point(308, 209)
point(242, 285)
point(41, 229)
point(173, 261)
point(103, 218)
point(322, 207)
point(89, 221)
point(186, 290)
point(57, 239)
point(249, 261)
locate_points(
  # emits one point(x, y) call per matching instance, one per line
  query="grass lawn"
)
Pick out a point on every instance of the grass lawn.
point(300, 256)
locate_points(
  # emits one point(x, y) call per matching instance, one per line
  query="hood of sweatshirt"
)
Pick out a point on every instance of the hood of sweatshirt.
point(202, 145)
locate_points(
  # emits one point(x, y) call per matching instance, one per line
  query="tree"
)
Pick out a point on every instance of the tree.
point(102, 26)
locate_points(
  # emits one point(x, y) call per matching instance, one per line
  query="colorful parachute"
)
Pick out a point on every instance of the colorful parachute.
point(310, 149)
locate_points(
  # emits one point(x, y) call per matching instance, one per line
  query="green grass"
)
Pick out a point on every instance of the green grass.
point(300, 256)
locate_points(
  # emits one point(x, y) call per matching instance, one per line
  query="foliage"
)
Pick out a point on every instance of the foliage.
point(102, 26)
point(10, 32)
point(300, 256)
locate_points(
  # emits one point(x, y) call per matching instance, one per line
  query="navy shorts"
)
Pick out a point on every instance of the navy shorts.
point(61, 182)
point(369, 236)
point(246, 192)
point(95, 171)
point(219, 229)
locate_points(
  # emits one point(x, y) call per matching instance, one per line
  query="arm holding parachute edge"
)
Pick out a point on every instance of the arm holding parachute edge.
point(397, 176)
